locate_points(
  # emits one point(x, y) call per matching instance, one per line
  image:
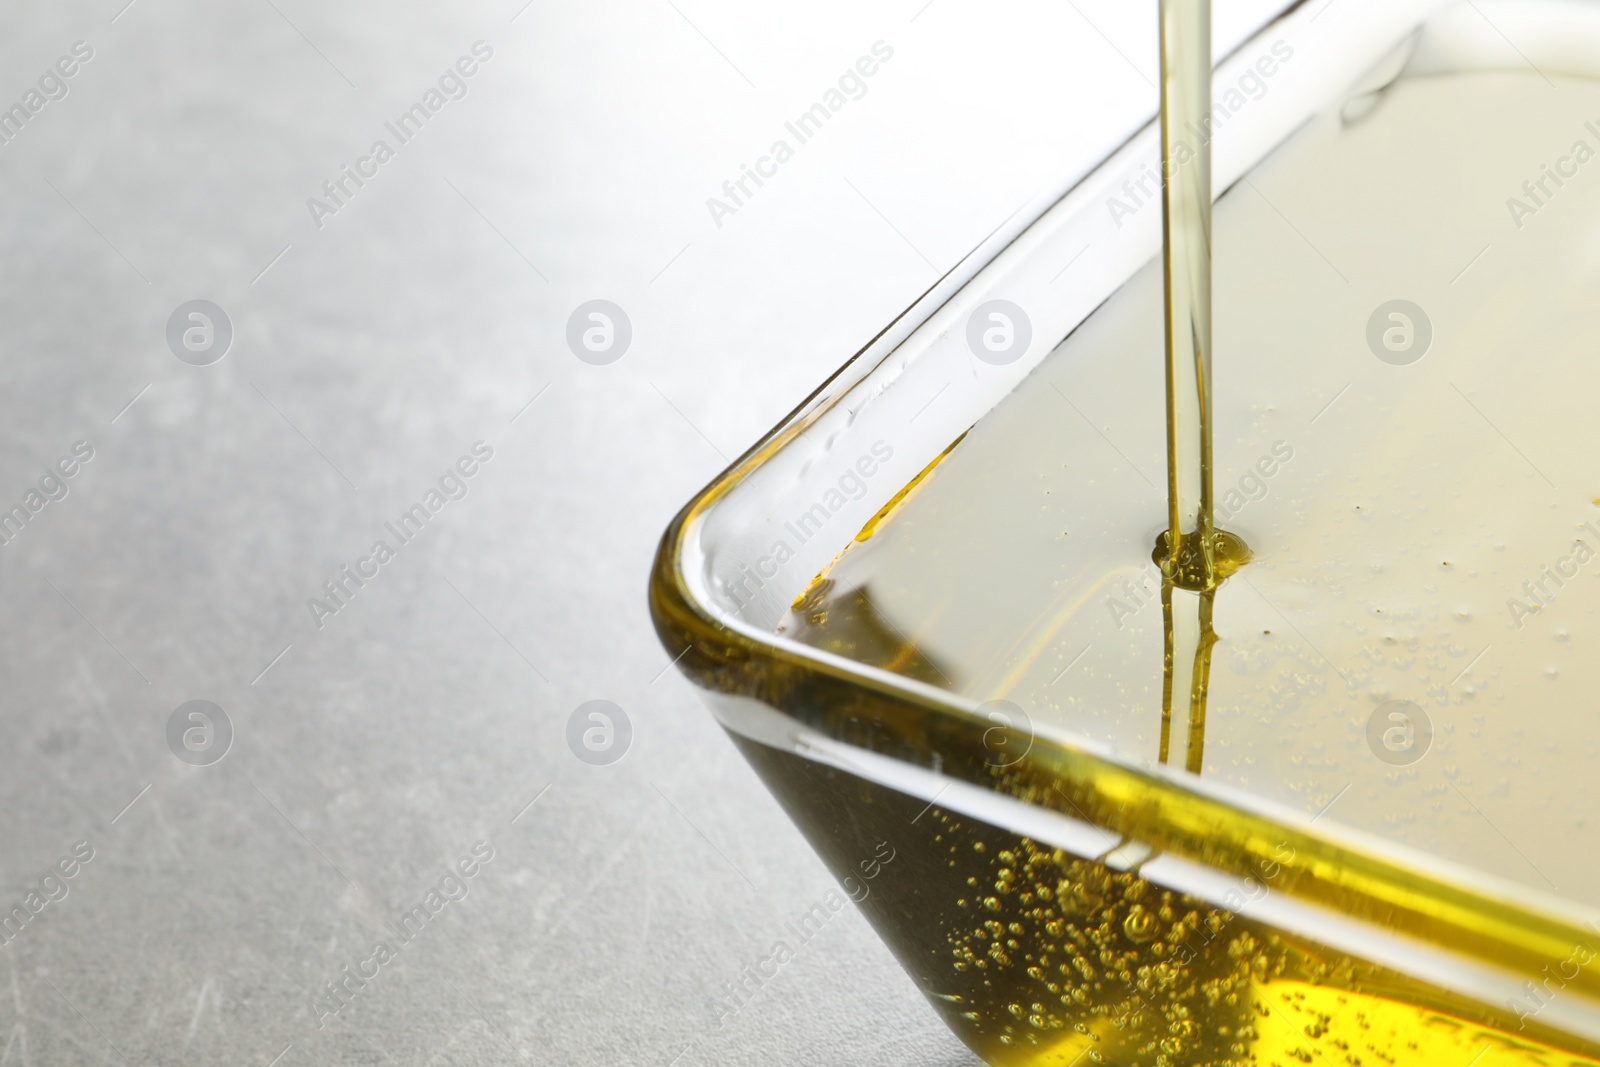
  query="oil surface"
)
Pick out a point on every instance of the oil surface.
point(1424, 533)
point(1420, 495)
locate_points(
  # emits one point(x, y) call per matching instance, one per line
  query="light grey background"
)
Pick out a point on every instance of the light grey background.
point(368, 355)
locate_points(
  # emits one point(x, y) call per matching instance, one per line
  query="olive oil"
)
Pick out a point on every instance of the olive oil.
point(1187, 554)
point(1038, 958)
point(1187, 551)
point(1419, 521)
point(1423, 533)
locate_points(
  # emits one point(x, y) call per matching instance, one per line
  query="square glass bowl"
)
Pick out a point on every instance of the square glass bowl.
point(1322, 893)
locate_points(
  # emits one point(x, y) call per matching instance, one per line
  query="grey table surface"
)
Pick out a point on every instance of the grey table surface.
point(375, 340)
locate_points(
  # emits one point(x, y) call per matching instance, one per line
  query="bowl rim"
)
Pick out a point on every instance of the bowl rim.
point(1480, 922)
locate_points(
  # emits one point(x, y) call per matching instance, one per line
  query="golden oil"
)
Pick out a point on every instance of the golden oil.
point(1009, 571)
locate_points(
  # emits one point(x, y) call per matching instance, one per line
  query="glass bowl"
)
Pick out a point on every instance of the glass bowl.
point(1055, 891)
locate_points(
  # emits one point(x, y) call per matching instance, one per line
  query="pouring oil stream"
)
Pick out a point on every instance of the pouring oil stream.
point(1195, 557)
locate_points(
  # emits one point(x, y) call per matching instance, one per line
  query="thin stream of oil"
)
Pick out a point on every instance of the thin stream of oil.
point(1194, 556)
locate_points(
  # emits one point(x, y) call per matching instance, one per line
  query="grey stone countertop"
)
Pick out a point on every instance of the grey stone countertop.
point(386, 330)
